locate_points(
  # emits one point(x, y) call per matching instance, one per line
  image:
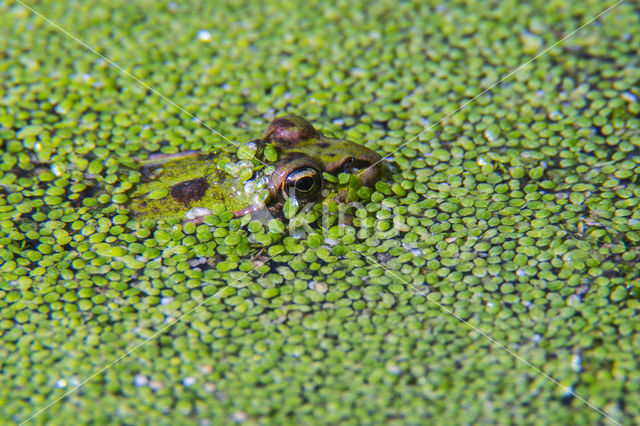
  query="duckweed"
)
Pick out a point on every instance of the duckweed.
point(518, 213)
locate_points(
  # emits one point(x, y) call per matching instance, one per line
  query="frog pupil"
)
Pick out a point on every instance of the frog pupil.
point(304, 184)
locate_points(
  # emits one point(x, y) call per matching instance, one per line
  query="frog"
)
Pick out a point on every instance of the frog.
point(288, 161)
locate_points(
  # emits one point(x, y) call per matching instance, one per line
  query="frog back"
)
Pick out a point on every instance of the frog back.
point(171, 187)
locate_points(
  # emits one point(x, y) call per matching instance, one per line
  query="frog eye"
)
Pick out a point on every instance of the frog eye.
point(303, 184)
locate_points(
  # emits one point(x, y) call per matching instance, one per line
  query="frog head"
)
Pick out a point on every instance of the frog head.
point(305, 153)
point(192, 182)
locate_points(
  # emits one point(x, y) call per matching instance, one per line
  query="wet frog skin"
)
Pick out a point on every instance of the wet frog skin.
point(287, 161)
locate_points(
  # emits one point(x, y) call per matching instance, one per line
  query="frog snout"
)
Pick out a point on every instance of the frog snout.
point(369, 175)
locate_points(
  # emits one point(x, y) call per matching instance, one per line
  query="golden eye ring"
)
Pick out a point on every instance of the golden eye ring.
point(304, 184)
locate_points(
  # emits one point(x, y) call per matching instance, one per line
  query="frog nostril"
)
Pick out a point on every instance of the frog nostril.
point(351, 164)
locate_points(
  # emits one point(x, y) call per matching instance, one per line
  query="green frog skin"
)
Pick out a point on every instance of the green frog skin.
point(288, 160)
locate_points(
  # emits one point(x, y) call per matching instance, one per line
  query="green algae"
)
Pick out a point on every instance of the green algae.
point(518, 214)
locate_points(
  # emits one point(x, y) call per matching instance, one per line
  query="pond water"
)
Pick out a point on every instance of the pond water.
point(491, 275)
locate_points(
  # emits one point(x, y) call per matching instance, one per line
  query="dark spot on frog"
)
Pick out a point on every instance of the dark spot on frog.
point(323, 145)
point(188, 191)
point(289, 131)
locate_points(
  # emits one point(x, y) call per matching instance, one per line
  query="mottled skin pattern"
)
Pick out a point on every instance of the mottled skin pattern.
point(190, 183)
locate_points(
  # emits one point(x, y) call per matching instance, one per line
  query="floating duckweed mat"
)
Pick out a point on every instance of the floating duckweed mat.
point(517, 214)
